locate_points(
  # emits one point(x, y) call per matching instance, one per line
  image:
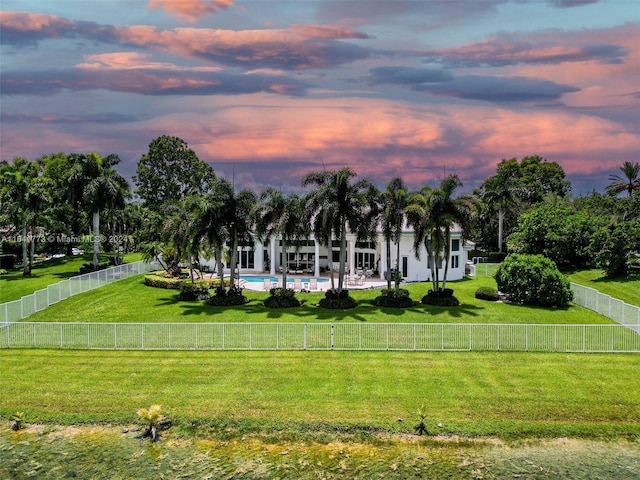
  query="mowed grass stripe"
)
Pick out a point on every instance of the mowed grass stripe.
point(505, 394)
point(321, 336)
point(130, 300)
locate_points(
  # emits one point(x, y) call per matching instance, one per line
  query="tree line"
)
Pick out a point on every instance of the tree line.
point(180, 210)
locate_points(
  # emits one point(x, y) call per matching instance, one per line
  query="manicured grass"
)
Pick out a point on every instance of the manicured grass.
point(131, 301)
point(14, 286)
point(626, 288)
point(508, 395)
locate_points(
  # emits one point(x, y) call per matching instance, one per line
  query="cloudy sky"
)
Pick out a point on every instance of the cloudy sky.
point(269, 90)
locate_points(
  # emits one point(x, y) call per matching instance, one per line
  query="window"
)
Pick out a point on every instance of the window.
point(455, 261)
point(455, 245)
point(247, 259)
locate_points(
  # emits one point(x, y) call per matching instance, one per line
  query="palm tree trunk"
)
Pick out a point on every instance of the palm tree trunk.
point(25, 255)
point(32, 250)
point(285, 256)
point(96, 237)
point(398, 264)
point(343, 254)
point(500, 225)
point(447, 253)
point(234, 257)
point(330, 243)
point(388, 242)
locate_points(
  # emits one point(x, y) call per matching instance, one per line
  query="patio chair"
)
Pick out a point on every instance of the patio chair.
point(313, 284)
point(297, 284)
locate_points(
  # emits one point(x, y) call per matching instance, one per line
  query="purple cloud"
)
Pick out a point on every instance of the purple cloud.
point(146, 82)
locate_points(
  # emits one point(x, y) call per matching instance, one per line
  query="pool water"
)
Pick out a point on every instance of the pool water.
point(262, 278)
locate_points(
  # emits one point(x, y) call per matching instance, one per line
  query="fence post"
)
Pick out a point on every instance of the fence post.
point(304, 336)
point(332, 338)
point(61, 343)
point(143, 336)
point(415, 338)
point(526, 338)
point(387, 336)
point(35, 339)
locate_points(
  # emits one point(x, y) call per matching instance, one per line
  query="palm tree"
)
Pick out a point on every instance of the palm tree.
point(283, 216)
point(394, 200)
point(210, 225)
point(432, 213)
point(501, 192)
point(101, 187)
point(629, 182)
point(181, 229)
point(232, 212)
point(23, 196)
point(337, 203)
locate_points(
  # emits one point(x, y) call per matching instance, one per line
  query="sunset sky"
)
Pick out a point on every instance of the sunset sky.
point(267, 91)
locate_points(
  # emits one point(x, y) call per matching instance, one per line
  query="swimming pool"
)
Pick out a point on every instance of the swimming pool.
point(262, 278)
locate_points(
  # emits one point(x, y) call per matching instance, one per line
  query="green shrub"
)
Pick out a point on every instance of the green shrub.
point(7, 261)
point(533, 280)
point(440, 298)
point(487, 293)
point(158, 280)
point(282, 298)
point(393, 298)
point(335, 300)
point(191, 291)
point(90, 268)
point(496, 257)
point(3, 271)
point(226, 298)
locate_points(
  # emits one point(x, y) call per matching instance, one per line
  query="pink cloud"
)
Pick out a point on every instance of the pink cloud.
point(190, 10)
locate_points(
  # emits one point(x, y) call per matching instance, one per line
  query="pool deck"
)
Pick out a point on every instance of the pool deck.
point(351, 283)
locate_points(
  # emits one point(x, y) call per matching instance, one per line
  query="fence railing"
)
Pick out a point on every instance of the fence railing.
point(613, 308)
point(321, 336)
point(587, 297)
point(41, 299)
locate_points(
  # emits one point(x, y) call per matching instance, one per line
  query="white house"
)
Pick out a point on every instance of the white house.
point(312, 258)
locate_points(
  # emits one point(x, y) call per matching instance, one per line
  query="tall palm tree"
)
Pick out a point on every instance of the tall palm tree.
point(501, 192)
point(284, 216)
point(336, 204)
point(181, 229)
point(210, 224)
point(432, 212)
point(101, 187)
point(233, 213)
point(395, 200)
point(629, 181)
point(23, 196)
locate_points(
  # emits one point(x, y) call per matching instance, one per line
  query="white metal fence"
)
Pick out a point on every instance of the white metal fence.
point(41, 299)
point(321, 336)
point(613, 308)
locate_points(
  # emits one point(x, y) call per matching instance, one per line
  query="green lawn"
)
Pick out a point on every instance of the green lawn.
point(130, 300)
point(508, 395)
point(14, 286)
point(626, 289)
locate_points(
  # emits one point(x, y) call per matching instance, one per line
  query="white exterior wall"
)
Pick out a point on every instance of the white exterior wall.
point(417, 270)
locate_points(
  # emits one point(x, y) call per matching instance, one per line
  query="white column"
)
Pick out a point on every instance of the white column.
point(258, 256)
point(316, 253)
point(383, 258)
point(352, 256)
point(272, 269)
